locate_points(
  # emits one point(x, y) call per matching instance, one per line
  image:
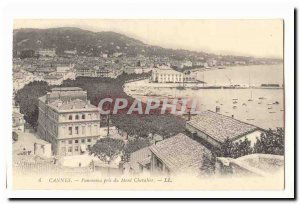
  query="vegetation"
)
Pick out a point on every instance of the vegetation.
point(270, 142)
point(27, 99)
point(107, 149)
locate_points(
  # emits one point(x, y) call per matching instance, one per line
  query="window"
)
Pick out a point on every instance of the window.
point(70, 149)
point(76, 141)
point(83, 116)
point(82, 140)
point(76, 149)
point(89, 140)
point(70, 117)
point(76, 130)
point(70, 142)
point(70, 130)
point(83, 129)
point(89, 146)
point(77, 117)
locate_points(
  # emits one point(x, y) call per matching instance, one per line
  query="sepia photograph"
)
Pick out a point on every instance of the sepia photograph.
point(121, 102)
point(103, 103)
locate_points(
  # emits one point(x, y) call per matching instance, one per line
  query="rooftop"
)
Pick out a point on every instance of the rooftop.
point(70, 105)
point(139, 157)
point(180, 153)
point(219, 126)
point(67, 89)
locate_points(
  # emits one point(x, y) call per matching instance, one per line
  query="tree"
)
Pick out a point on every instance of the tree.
point(107, 149)
point(27, 99)
point(208, 164)
point(227, 148)
point(270, 142)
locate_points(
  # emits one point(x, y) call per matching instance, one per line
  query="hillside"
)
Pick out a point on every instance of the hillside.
point(90, 43)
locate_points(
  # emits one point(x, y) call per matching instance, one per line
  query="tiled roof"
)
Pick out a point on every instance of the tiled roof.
point(138, 157)
point(74, 104)
point(67, 89)
point(219, 126)
point(180, 153)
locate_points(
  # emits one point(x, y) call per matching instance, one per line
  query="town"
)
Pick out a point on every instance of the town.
point(63, 130)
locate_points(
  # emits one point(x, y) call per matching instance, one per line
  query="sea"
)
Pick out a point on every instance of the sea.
point(261, 107)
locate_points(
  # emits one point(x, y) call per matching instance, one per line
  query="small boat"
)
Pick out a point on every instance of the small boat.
point(261, 98)
point(272, 112)
point(234, 107)
point(259, 102)
point(234, 102)
point(244, 104)
point(269, 107)
point(281, 110)
point(250, 119)
point(276, 103)
point(235, 99)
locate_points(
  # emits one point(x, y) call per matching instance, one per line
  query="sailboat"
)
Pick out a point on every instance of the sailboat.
point(250, 99)
point(251, 90)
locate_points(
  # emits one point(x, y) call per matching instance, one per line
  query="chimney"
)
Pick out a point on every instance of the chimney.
point(189, 116)
point(47, 98)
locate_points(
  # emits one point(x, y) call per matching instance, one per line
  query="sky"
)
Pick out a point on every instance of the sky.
point(258, 38)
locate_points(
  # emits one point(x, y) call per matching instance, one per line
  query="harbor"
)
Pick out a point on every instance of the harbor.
point(249, 102)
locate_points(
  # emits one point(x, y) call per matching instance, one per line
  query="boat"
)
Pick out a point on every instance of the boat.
point(234, 102)
point(250, 119)
point(276, 103)
point(259, 102)
point(250, 99)
point(269, 107)
point(272, 112)
point(180, 87)
point(261, 98)
point(234, 107)
point(244, 104)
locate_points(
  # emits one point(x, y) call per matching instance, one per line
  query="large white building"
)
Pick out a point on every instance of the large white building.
point(169, 75)
point(68, 121)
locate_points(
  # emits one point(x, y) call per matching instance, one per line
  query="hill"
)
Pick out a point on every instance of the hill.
point(90, 43)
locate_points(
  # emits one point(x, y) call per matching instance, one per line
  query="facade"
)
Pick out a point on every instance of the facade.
point(55, 79)
point(47, 52)
point(18, 120)
point(215, 128)
point(168, 75)
point(68, 121)
point(177, 155)
point(92, 72)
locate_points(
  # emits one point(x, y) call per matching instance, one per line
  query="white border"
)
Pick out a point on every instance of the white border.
point(118, 9)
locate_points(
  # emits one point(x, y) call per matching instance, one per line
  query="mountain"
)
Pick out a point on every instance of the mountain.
point(90, 43)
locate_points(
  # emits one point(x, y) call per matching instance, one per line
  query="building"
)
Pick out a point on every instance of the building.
point(54, 79)
point(177, 155)
point(139, 161)
point(168, 75)
point(68, 121)
point(47, 52)
point(215, 128)
point(261, 165)
point(92, 72)
point(18, 120)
